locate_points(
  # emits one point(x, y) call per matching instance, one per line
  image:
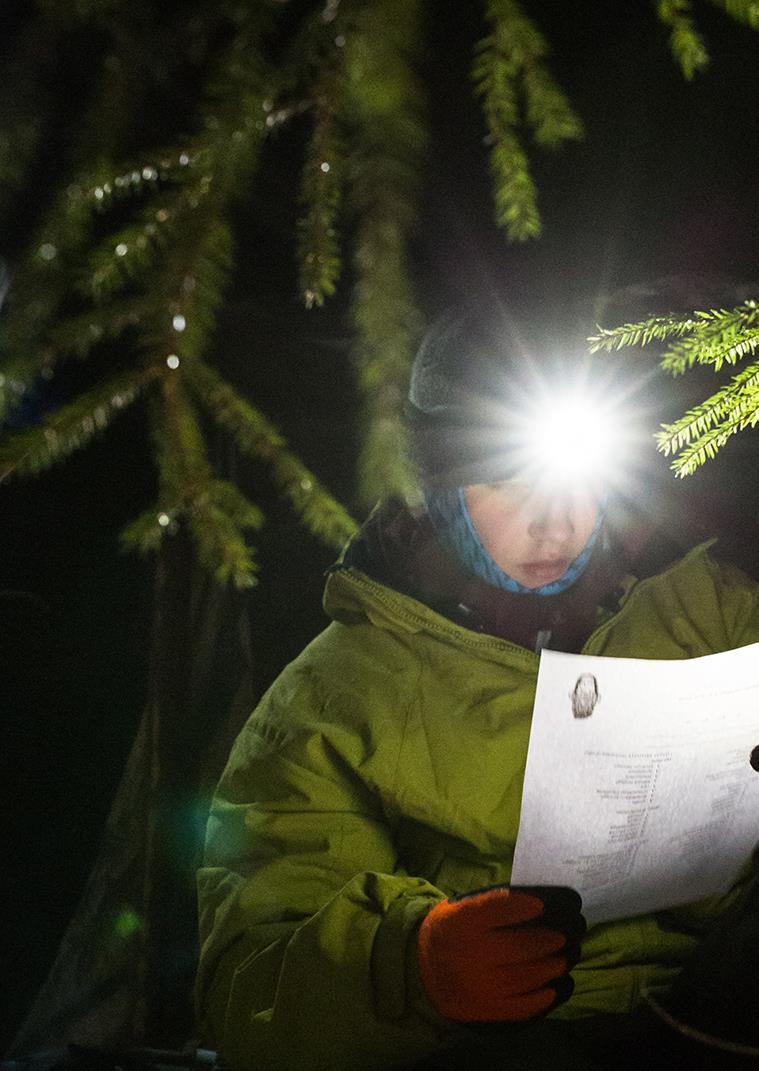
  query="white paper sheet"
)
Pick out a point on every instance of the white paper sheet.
point(639, 790)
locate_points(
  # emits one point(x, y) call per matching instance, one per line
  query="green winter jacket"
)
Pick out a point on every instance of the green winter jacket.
point(380, 773)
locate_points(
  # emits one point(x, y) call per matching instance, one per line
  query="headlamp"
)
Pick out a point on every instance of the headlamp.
point(568, 438)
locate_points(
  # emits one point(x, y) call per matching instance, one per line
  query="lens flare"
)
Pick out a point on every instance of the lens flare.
point(571, 438)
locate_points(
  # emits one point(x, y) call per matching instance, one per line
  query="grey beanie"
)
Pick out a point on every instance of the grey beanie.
point(468, 374)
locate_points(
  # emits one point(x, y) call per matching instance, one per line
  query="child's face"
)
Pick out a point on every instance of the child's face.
point(533, 535)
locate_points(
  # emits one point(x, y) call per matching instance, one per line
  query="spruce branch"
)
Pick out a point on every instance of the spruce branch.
point(145, 533)
point(549, 113)
point(190, 271)
point(516, 199)
point(743, 11)
point(315, 68)
point(384, 314)
point(712, 337)
point(257, 437)
point(707, 447)
point(642, 333)
point(71, 426)
point(320, 194)
point(510, 60)
point(715, 336)
point(43, 279)
point(78, 335)
point(215, 510)
point(515, 196)
point(121, 258)
point(726, 346)
point(189, 289)
point(686, 43)
point(710, 413)
point(382, 112)
point(218, 518)
point(235, 101)
point(170, 257)
point(140, 177)
point(704, 430)
point(42, 282)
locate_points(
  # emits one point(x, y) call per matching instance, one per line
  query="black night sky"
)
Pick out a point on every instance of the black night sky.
point(665, 183)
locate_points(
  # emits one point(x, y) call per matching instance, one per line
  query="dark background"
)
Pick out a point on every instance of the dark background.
point(663, 184)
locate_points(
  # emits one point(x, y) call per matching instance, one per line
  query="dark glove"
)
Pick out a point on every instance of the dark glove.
point(500, 954)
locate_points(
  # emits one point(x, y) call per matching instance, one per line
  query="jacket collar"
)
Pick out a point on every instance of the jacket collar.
point(398, 547)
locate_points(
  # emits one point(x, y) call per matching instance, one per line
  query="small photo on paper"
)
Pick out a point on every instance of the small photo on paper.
point(584, 695)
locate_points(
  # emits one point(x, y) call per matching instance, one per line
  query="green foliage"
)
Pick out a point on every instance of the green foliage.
point(321, 191)
point(713, 337)
point(511, 61)
point(257, 437)
point(154, 283)
point(745, 11)
point(70, 427)
point(314, 72)
point(64, 233)
point(686, 43)
point(704, 429)
point(639, 334)
point(386, 134)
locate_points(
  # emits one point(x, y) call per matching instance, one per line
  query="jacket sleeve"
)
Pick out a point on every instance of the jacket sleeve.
point(739, 601)
point(306, 919)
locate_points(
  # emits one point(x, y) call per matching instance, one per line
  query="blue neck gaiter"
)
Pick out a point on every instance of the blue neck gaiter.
point(453, 524)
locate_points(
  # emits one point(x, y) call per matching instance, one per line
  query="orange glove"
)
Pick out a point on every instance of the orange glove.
point(500, 954)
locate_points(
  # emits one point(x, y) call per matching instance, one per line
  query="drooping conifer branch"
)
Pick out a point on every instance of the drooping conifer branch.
point(188, 289)
point(171, 261)
point(257, 437)
point(383, 116)
point(320, 195)
point(42, 282)
point(511, 61)
point(70, 426)
point(215, 510)
point(314, 71)
point(744, 11)
point(686, 43)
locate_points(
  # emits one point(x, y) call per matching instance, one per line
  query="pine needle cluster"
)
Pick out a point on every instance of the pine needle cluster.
point(715, 337)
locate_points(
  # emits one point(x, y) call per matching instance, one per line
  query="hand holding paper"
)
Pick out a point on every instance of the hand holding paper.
point(500, 954)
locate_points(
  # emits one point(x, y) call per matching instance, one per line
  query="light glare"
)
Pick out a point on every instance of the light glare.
point(568, 437)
